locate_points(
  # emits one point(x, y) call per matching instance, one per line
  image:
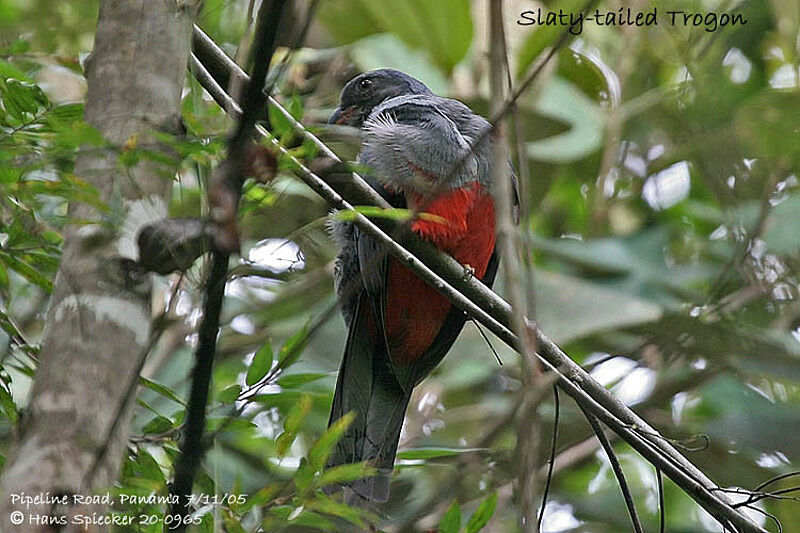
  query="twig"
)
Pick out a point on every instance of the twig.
point(775, 479)
point(617, 468)
point(492, 311)
point(192, 448)
point(662, 512)
point(551, 464)
point(488, 342)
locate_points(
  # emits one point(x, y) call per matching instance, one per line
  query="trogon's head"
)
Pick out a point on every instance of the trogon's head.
point(367, 90)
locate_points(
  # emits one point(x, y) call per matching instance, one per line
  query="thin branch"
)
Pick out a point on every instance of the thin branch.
point(230, 176)
point(662, 511)
point(527, 422)
point(617, 468)
point(552, 462)
point(446, 275)
point(775, 479)
point(488, 342)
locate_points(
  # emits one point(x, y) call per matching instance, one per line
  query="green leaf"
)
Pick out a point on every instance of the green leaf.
point(229, 394)
point(345, 473)
point(292, 425)
point(260, 497)
point(482, 514)
point(780, 233)
point(8, 70)
point(26, 271)
point(262, 362)
point(344, 27)
point(148, 467)
point(562, 101)
point(433, 453)
point(451, 521)
point(300, 517)
point(400, 215)
point(232, 524)
point(8, 406)
point(160, 389)
point(21, 99)
point(159, 424)
point(326, 505)
point(280, 124)
point(320, 451)
point(293, 381)
point(67, 112)
point(292, 348)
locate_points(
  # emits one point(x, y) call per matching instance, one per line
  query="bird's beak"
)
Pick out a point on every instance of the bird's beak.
point(341, 116)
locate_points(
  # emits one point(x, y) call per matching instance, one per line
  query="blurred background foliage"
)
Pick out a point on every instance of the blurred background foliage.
point(662, 213)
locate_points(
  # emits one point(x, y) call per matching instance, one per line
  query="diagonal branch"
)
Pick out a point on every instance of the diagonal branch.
point(446, 275)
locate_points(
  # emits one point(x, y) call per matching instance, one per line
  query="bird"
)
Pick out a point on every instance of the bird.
point(428, 154)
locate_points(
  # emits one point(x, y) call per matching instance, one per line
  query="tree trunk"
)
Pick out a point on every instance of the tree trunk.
point(75, 428)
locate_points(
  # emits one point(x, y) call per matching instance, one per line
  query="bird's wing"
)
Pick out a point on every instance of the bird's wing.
point(409, 138)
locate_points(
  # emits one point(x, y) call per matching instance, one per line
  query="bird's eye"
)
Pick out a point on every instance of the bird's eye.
point(365, 84)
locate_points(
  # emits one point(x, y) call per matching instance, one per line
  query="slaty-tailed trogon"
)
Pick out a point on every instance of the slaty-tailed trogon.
point(418, 149)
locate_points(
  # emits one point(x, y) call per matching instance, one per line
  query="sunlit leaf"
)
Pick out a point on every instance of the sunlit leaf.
point(292, 349)
point(451, 521)
point(482, 514)
point(262, 362)
point(321, 449)
point(160, 389)
point(292, 425)
point(345, 473)
point(434, 453)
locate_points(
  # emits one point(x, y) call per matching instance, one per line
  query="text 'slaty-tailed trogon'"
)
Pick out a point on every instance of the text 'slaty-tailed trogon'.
point(419, 149)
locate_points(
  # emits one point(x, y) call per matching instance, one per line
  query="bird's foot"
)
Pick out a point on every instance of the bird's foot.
point(469, 271)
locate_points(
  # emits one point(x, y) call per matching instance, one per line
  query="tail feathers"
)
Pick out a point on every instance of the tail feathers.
point(368, 387)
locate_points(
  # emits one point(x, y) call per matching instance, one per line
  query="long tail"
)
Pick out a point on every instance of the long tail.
point(367, 386)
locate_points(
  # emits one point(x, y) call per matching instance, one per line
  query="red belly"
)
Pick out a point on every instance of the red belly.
point(415, 311)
